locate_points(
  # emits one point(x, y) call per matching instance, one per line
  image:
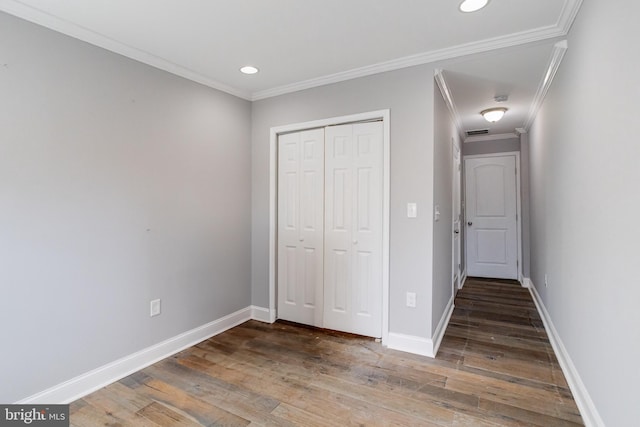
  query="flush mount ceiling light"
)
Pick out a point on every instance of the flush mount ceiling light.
point(248, 69)
point(472, 5)
point(492, 115)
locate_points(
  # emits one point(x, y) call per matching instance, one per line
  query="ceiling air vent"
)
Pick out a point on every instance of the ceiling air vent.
point(477, 132)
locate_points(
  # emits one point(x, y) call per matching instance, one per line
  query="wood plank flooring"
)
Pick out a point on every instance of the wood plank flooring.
point(495, 367)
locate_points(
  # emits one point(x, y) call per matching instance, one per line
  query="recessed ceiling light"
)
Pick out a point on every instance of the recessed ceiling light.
point(248, 69)
point(472, 5)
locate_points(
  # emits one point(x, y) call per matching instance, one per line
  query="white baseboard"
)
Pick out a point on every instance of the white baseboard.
point(91, 381)
point(410, 344)
point(420, 345)
point(262, 314)
point(442, 327)
point(526, 282)
point(587, 408)
point(464, 278)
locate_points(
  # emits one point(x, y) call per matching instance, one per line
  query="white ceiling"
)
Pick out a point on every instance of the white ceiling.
point(298, 44)
point(518, 73)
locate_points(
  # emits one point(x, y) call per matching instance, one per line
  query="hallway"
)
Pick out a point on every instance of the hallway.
point(495, 331)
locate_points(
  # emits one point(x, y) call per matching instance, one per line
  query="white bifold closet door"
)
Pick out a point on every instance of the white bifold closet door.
point(353, 229)
point(300, 226)
point(330, 227)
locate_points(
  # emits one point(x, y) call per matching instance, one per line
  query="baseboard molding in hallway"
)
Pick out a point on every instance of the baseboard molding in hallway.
point(588, 410)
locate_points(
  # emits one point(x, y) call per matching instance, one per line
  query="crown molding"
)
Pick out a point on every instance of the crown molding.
point(561, 29)
point(515, 39)
point(37, 16)
point(495, 137)
point(559, 49)
point(448, 99)
point(568, 15)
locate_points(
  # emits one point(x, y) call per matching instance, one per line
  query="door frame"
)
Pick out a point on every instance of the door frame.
point(457, 173)
point(516, 154)
point(383, 115)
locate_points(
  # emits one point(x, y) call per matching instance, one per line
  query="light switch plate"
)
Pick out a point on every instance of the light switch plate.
point(411, 299)
point(412, 210)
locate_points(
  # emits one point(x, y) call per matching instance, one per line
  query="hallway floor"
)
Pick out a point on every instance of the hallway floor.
point(496, 332)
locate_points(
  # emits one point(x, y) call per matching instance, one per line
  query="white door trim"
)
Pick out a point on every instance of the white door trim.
point(456, 205)
point(273, 201)
point(518, 202)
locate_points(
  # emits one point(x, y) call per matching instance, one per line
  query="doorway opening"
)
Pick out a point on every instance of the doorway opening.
point(492, 216)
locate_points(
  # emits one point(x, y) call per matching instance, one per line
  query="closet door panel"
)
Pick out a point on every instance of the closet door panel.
point(300, 226)
point(338, 206)
point(367, 228)
point(353, 228)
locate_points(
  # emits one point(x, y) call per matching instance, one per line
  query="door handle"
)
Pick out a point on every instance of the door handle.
point(355, 242)
point(470, 223)
point(456, 231)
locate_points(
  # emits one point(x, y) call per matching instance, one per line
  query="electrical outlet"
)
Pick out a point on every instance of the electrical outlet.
point(411, 299)
point(546, 280)
point(154, 308)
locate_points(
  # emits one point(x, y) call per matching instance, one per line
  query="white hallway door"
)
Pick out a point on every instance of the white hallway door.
point(330, 235)
point(491, 215)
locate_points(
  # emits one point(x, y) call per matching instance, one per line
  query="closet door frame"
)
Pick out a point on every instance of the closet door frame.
point(383, 115)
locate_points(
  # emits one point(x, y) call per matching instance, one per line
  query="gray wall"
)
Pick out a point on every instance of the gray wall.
point(444, 133)
point(119, 183)
point(408, 93)
point(585, 204)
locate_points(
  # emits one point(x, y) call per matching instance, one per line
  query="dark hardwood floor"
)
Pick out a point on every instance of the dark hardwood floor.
point(495, 367)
